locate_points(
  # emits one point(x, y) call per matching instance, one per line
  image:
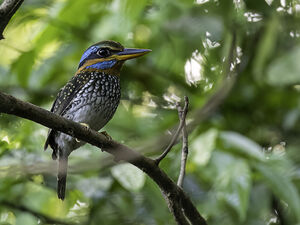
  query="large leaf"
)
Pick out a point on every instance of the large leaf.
point(266, 47)
point(132, 9)
point(129, 176)
point(202, 147)
point(281, 184)
point(233, 186)
point(241, 144)
point(285, 70)
point(23, 67)
point(26, 218)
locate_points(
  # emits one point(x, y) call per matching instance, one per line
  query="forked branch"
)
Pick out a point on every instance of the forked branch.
point(177, 133)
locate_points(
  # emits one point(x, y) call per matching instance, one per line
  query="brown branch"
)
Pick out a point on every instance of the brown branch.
point(176, 134)
point(185, 149)
point(7, 9)
point(176, 209)
point(44, 218)
point(174, 194)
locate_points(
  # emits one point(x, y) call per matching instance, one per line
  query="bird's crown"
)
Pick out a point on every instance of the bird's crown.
point(108, 55)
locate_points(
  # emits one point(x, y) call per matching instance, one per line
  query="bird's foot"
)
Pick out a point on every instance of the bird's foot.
point(86, 126)
point(108, 137)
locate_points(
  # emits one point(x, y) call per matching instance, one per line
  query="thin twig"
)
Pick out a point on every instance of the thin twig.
point(185, 149)
point(44, 218)
point(176, 134)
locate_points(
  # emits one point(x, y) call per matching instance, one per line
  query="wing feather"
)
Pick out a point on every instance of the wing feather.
point(62, 101)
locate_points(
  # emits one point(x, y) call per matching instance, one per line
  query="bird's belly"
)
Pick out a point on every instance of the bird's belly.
point(94, 105)
point(96, 114)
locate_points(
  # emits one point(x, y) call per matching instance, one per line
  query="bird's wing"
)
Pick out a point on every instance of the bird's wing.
point(68, 92)
point(62, 101)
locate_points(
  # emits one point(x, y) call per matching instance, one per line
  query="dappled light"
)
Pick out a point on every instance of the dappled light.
point(237, 63)
point(193, 69)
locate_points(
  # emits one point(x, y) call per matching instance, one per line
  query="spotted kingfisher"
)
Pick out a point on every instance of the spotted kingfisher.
point(91, 97)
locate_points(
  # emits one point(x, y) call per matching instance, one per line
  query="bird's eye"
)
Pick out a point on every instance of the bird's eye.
point(103, 52)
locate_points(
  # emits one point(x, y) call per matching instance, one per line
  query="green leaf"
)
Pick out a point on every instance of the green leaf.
point(285, 70)
point(23, 67)
point(241, 144)
point(233, 186)
point(129, 176)
point(202, 147)
point(132, 8)
point(94, 186)
point(25, 218)
point(42, 199)
point(266, 47)
point(281, 184)
point(7, 217)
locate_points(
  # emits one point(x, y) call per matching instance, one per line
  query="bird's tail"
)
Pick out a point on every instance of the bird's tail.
point(62, 176)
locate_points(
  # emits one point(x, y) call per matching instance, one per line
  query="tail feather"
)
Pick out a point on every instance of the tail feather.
point(62, 177)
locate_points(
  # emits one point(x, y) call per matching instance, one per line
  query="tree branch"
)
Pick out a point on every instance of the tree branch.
point(185, 149)
point(176, 134)
point(174, 194)
point(7, 9)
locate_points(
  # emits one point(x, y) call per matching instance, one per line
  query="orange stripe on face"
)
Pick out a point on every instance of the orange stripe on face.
point(115, 70)
point(94, 61)
point(91, 62)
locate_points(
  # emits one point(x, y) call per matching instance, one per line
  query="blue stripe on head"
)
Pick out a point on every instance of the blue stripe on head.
point(88, 52)
point(103, 65)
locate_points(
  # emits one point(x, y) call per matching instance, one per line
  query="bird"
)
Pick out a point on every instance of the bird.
point(91, 98)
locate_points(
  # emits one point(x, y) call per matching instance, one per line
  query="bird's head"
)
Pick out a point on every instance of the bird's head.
point(108, 56)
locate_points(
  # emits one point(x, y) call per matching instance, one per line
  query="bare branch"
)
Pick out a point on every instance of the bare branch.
point(176, 209)
point(174, 194)
point(7, 9)
point(176, 134)
point(185, 149)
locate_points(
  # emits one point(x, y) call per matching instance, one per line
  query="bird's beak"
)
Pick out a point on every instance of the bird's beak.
point(130, 53)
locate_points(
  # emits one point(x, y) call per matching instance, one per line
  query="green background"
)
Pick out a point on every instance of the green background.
point(244, 156)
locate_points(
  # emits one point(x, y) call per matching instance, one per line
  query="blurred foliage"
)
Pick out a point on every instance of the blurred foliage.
point(243, 158)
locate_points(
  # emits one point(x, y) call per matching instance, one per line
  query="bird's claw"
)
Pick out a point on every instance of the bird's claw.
point(86, 126)
point(108, 137)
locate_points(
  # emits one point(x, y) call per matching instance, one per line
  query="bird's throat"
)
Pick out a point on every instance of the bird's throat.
point(112, 67)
